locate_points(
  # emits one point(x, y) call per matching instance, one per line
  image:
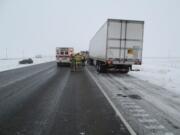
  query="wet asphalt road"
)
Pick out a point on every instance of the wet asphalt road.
point(46, 100)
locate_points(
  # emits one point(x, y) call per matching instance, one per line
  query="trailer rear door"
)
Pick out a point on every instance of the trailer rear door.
point(125, 41)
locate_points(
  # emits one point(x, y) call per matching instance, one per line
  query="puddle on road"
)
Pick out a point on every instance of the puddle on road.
point(120, 89)
point(121, 95)
point(135, 97)
point(124, 88)
point(130, 96)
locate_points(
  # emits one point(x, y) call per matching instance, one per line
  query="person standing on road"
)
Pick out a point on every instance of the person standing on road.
point(83, 60)
point(73, 63)
point(78, 60)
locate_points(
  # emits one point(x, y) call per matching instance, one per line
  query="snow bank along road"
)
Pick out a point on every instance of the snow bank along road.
point(148, 108)
point(9, 64)
point(46, 100)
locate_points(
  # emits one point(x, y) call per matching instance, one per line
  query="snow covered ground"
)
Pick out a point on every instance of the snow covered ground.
point(164, 72)
point(7, 64)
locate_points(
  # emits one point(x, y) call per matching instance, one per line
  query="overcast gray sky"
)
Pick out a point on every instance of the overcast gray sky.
point(38, 26)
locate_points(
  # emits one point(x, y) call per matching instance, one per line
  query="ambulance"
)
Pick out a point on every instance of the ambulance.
point(63, 55)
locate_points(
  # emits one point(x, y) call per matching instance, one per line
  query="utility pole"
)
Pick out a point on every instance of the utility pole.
point(6, 54)
point(23, 54)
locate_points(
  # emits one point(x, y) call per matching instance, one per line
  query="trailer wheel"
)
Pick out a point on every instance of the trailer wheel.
point(97, 67)
point(124, 71)
point(101, 68)
point(90, 61)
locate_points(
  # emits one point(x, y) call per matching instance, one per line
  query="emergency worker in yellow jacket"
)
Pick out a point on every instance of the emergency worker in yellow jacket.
point(78, 60)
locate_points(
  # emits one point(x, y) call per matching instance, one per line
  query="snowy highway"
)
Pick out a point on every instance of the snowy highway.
point(46, 100)
point(89, 67)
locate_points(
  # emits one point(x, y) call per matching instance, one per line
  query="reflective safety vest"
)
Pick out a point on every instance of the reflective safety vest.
point(78, 58)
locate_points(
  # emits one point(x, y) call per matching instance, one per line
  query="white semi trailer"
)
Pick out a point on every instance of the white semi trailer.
point(117, 44)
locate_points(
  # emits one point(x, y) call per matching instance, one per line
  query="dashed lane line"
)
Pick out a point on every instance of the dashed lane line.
point(140, 115)
point(144, 120)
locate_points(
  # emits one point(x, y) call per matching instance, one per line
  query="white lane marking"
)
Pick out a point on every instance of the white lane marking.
point(82, 133)
point(137, 110)
point(132, 106)
point(132, 132)
point(128, 103)
point(154, 127)
point(122, 99)
point(168, 133)
point(141, 115)
point(144, 120)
